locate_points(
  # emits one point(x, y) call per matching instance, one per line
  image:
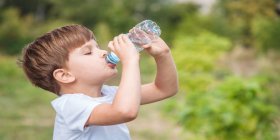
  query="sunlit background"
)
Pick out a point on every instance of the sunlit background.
point(227, 54)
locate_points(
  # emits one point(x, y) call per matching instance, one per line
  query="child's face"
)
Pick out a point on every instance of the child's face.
point(87, 63)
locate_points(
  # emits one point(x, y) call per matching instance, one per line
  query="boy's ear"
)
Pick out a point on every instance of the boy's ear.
point(63, 76)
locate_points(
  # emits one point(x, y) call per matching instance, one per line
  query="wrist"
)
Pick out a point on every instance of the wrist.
point(164, 54)
point(132, 61)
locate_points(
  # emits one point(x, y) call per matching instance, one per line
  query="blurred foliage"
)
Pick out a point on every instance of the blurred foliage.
point(25, 111)
point(219, 105)
point(113, 16)
point(197, 66)
point(267, 33)
point(13, 31)
point(215, 104)
point(236, 109)
point(241, 14)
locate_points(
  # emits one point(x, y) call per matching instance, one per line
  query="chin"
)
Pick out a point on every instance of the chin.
point(115, 71)
point(111, 77)
point(113, 74)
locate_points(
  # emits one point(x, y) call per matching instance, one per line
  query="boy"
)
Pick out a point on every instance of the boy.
point(68, 62)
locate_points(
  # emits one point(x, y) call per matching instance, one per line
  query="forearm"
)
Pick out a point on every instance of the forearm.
point(127, 99)
point(166, 78)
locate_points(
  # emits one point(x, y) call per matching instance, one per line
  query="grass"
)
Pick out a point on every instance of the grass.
point(26, 112)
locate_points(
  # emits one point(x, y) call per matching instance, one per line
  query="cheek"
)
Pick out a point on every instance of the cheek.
point(76, 67)
point(85, 68)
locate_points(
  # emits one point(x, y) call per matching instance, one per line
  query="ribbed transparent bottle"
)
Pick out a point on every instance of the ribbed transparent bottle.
point(152, 31)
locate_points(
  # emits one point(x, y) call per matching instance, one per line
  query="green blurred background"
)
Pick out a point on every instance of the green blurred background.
point(227, 54)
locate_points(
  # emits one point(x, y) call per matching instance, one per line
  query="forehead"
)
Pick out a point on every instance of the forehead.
point(89, 44)
point(86, 46)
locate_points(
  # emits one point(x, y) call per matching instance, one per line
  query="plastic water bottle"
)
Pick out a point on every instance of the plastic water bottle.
point(152, 31)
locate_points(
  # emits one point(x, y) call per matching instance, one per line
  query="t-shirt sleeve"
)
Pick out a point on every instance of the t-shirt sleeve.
point(77, 110)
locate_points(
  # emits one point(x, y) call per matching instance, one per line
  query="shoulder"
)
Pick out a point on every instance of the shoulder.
point(74, 110)
point(70, 100)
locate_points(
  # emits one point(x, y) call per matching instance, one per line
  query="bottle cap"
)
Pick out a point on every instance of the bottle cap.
point(112, 58)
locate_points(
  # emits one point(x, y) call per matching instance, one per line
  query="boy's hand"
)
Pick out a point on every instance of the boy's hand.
point(124, 48)
point(156, 48)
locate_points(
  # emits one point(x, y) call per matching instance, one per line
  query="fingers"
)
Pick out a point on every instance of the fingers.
point(117, 43)
point(126, 39)
point(111, 46)
point(121, 40)
point(147, 46)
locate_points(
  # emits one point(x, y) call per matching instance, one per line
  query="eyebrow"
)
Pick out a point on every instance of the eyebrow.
point(91, 45)
point(87, 46)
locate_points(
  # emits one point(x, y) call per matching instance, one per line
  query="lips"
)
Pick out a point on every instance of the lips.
point(111, 65)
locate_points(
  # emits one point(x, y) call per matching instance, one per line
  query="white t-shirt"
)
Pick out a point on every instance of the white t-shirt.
point(72, 112)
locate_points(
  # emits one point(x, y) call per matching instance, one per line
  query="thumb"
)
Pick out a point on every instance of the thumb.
point(147, 46)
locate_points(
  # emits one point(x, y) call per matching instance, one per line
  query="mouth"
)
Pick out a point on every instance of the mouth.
point(111, 65)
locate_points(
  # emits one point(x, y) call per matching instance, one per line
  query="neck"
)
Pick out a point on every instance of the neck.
point(92, 91)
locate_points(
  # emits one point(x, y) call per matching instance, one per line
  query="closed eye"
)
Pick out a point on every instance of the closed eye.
point(88, 53)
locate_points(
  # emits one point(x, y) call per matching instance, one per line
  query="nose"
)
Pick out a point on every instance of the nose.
point(103, 53)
